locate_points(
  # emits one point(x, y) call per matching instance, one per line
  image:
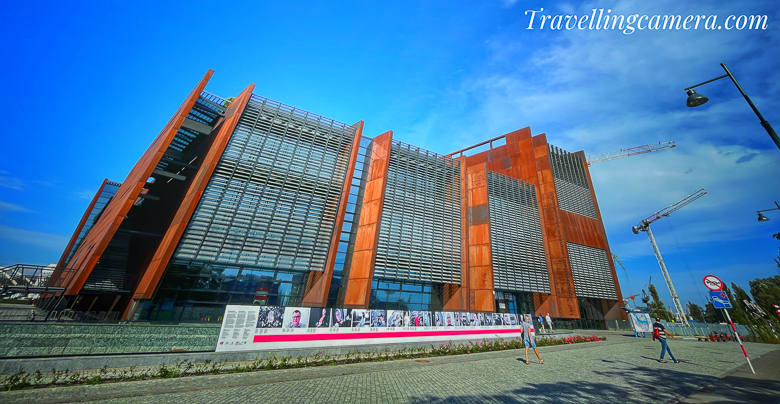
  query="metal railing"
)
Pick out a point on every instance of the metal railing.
point(23, 313)
point(22, 278)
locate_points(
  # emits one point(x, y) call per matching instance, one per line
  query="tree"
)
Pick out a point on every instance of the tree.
point(657, 307)
point(713, 315)
point(737, 312)
point(696, 312)
point(766, 292)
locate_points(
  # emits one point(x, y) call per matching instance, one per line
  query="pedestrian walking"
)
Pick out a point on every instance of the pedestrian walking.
point(659, 332)
point(541, 322)
point(529, 339)
point(549, 321)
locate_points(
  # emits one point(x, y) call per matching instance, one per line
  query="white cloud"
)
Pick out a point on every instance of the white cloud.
point(48, 241)
point(85, 194)
point(9, 181)
point(12, 207)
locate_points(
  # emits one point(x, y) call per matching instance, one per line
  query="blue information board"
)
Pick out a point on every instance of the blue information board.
point(720, 300)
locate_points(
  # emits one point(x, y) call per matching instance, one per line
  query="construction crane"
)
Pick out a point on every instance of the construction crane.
point(644, 226)
point(616, 259)
point(633, 151)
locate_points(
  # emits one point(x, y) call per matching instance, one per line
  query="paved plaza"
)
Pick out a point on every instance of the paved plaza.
point(622, 369)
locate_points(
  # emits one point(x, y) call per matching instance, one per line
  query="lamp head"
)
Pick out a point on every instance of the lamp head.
point(635, 229)
point(762, 218)
point(694, 99)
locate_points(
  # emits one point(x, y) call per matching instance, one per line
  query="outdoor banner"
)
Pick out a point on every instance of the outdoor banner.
point(251, 328)
point(641, 322)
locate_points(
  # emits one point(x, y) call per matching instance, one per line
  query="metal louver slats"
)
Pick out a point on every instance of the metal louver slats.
point(571, 182)
point(591, 272)
point(272, 199)
point(517, 244)
point(420, 228)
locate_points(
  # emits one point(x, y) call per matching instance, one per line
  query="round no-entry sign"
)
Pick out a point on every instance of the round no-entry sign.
point(713, 283)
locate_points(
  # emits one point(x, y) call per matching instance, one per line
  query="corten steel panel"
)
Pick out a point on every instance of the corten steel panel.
point(154, 271)
point(100, 235)
point(480, 260)
point(561, 279)
point(61, 263)
point(318, 283)
point(477, 282)
point(602, 236)
point(530, 163)
point(457, 297)
point(361, 270)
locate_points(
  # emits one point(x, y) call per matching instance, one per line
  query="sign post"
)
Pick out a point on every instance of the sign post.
point(721, 301)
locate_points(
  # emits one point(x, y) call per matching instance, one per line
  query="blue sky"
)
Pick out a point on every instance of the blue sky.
point(88, 85)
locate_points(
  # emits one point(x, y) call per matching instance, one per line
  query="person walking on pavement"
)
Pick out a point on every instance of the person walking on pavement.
point(541, 322)
point(529, 339)
point(661, 335)
point(549, 321)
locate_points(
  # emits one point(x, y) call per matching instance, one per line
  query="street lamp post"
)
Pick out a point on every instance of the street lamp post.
point(695, 99)
point(761, 217)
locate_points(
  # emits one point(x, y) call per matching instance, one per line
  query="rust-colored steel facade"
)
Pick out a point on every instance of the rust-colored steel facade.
point(95, 243)
point(469, 251)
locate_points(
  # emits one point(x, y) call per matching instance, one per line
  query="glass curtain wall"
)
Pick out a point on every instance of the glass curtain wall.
point(266, 217)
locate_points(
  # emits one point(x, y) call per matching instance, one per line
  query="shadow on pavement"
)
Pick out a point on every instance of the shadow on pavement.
point(647, 385)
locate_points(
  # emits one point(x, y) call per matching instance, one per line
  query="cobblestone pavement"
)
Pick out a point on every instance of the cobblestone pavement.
point(621, 370)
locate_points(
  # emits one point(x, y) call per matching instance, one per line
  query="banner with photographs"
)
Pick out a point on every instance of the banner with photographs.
point(247, 328)
point(641, 322)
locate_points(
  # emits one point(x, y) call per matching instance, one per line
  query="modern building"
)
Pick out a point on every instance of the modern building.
point(250, 201)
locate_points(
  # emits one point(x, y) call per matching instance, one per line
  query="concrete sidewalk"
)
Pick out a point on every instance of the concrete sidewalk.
point(742, 386)
point(622, 369)
point(9, 366)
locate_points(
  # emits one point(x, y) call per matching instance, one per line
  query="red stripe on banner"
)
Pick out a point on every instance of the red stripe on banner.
point(371, 335)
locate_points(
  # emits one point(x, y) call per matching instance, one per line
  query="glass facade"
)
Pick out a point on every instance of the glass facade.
point(514, 302)
point(108, 191)
point(266, 217)
point(350, 225)
point(391, 294)
point(193, 288)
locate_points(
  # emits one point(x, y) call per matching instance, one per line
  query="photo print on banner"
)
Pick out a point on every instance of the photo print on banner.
point(342, 318)
point(270, 317)
point(395, 318)
point(417, 318)
point(438, 319)
point(319, 317)
point(498, 319)
point(464, 318)
point(360, 318)
point(296, 317)
point(448, 319)
point(378, 318)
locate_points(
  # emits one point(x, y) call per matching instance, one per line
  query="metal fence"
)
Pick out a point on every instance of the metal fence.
point(695, 329)
point(24, 313)
point(704, 329)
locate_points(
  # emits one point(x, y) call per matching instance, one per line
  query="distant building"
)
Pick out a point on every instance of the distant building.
point(256, 202)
